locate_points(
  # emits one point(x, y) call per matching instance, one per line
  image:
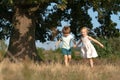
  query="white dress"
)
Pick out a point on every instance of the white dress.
point(87, 48)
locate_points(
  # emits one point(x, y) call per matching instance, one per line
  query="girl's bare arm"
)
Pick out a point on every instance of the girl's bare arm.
point(74, 43)
point(79, 42)
point(58, 42)
point(96, 41)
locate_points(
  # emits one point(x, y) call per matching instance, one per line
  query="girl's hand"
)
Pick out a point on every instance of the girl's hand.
point(57, 43)
point(94, 40)
point(56, 46)
point(74, 46)
point(101, 45)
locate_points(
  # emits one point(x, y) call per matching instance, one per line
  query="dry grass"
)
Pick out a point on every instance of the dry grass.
point(31, 71)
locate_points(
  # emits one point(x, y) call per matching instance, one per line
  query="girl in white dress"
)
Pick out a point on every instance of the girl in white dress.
point(87, 49)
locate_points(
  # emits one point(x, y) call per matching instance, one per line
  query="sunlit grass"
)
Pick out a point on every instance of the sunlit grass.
point(56, 71)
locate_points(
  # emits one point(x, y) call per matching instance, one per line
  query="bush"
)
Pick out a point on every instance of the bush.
point(40, 53)
point(3, 48)
point(110, 51)
point(50, 55)
point(111, 47)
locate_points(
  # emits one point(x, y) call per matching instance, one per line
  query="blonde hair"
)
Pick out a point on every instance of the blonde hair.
point(85, 28)
point(66, 30)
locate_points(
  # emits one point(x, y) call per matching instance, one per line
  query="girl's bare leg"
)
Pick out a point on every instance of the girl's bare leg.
point(69, 58)
point(91, 62)
point(66, 60)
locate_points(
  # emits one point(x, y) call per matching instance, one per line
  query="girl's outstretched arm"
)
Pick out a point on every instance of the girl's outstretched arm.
point(79, 42)
point(74, 42)
point(58, 42)
point(96, 41)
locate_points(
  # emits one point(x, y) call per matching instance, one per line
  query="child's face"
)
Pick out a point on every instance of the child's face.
point(84, 32)
point(66, 35)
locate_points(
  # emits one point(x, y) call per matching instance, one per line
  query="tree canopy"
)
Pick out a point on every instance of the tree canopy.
point(75, 11)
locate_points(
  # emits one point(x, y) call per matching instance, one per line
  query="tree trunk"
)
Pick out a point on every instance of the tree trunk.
point(22, 40)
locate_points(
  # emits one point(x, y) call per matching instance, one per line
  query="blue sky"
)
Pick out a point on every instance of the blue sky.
point(114, 18)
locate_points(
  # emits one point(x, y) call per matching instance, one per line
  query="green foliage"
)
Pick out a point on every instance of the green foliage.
point(56, 56)
point(24, 2)
point(76, 54)
point(6, 29)
point(111, 48)
point(62, 5)
point(40, 53)
point(3, 48)
point(50, 56)
point(74, 11)
point(105, 9)
point(110, 51)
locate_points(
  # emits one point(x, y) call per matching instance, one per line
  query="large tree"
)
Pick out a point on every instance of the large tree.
point(22, 15)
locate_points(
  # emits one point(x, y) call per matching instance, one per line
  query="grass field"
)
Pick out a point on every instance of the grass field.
point(28, 70)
